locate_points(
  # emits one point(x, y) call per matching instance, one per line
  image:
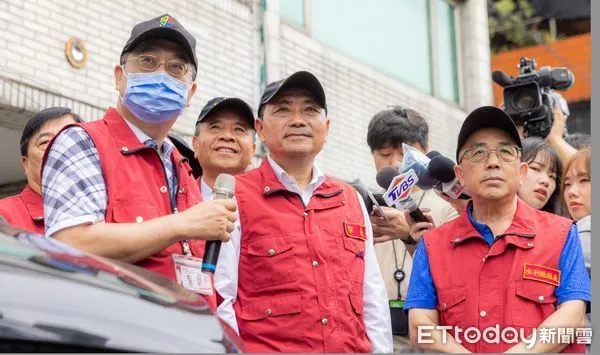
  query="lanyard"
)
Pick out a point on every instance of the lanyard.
point(399, 274)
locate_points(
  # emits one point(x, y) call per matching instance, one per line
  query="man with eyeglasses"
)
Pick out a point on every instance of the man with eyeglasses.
point(503, 267)
point(118, 187)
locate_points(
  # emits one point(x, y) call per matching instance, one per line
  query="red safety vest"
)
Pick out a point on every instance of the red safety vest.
point(24, 210)
point(301, 269)
point(511, 283)
point(137, 188)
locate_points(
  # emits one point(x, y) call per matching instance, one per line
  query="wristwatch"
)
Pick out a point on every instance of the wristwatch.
point(409, 240)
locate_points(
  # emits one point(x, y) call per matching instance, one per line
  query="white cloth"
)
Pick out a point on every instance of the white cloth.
point(205, 190)
point(376, 310)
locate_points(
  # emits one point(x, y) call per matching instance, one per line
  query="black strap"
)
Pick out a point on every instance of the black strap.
point(398, 269)
point(401, 268)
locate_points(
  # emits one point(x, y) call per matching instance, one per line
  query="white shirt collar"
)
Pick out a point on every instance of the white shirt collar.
point(289, 182)
point(143, 138)
point(205, 190)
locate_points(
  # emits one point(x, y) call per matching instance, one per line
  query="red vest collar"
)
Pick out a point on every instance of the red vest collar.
point(272, 185)
point(120, 131)
point(33, 202)
point(126, 139)
point(520, 233)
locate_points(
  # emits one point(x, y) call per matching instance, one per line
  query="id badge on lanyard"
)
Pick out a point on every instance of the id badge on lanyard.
point(188, 270)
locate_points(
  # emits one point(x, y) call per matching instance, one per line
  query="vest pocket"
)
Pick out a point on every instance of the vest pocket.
point(272, 306)
point(535, 301)
point(451, 305)
point(269, 261)
point(353, 259)
point(356, 300)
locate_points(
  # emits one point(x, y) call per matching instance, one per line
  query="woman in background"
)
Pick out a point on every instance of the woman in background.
point(540, 188)
point(577, 196)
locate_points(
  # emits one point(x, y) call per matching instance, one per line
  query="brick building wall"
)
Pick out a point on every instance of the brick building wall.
point(231, 57)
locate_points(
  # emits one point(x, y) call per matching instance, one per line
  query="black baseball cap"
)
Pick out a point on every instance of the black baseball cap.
point(227, 102)
point(487, 117)
point(164, 27)
point(299, 80)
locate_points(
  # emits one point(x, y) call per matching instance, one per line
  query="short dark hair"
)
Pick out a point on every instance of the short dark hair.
point(579, 140)
point(395, 126)
point(39, 119)
point(532, 146)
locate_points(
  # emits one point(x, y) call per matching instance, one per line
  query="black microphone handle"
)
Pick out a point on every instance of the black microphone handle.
point(211, 255)
point(415, 212)
point(224, 187)
point(418, 216)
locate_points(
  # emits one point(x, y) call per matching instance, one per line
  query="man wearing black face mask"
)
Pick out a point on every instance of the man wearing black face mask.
point(124, 171)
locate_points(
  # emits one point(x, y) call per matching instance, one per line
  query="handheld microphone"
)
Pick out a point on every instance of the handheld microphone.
point(224, 189)
point(441, 168)
point(372, 203)
point(433, 153)
point(501, 78)
point(398, 188)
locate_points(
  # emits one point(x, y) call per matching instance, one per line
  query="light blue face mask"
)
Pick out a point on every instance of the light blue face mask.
point(155, 97)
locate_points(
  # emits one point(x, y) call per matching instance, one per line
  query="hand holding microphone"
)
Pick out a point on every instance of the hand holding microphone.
point(224, 190)
point(417, 229)
point(387, 223)
point(398, 191)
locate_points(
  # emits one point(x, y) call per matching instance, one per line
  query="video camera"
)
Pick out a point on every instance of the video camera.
point(528, 98)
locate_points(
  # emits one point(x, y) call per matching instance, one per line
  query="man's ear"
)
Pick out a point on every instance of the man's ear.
point(191, 94)
point(523, 168)
point(118, 76)
point(258, 124)
point(24, 163)
point(459, 174)
point(195, 146)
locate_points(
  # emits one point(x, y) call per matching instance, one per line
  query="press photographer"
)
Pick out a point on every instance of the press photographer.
point(533, 104)
point(388, 131)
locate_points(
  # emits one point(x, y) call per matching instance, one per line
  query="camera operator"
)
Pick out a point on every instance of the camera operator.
point(534, 106)
point(556, 136)
point(387, 131)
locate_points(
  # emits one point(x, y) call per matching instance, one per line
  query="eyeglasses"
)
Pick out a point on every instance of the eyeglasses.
point(175, 67)
point(505, 152)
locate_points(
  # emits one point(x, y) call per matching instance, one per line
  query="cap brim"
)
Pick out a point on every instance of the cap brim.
point(487, 117)
point(167, 33)
point(233, 103)
point(187, 152)
point(301, 80)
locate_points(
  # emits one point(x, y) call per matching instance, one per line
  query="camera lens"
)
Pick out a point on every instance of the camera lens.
point(523, 100)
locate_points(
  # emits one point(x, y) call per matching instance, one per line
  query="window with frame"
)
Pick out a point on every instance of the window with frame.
point(413, 41)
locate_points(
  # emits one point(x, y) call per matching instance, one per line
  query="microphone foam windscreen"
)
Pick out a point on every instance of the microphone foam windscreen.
point(442, 168)
point(385, 176)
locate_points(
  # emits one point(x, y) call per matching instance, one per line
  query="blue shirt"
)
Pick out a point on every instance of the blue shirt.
point(574, 279)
